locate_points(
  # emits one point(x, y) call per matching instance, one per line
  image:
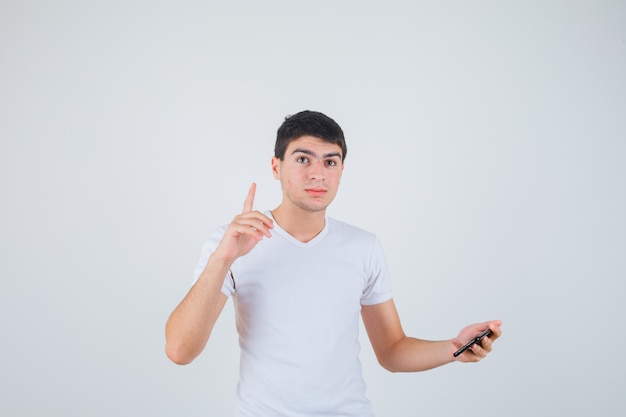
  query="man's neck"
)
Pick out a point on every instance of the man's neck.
point(301, 224)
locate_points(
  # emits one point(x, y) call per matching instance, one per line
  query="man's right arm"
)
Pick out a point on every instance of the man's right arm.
point(189, 326)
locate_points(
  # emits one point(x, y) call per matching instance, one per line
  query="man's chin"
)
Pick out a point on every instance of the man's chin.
point(314, 207)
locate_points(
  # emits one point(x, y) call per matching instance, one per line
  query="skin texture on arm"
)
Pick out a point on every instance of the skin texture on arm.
point(189, 326)
point(397, 352)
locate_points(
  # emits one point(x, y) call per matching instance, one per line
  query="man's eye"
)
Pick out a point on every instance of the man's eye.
point(303, 159)
point(331, 163)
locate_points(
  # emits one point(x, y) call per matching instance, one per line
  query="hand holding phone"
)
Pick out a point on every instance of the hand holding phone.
point(472, 342)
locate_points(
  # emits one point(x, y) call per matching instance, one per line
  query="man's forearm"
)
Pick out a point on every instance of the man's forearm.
point(412, 355)
point(189, 326)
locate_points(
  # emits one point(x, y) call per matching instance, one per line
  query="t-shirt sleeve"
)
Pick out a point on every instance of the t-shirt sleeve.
point(228, 288)
point(378, 287)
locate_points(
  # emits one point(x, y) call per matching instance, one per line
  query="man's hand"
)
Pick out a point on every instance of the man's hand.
point(245, 231)
point(479, 350)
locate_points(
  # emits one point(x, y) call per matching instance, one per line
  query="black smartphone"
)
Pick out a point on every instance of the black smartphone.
point(471, 343)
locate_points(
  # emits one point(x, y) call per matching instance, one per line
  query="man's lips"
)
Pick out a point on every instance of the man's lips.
point(316, 191)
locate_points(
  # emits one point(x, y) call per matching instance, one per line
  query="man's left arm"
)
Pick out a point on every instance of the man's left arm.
point(397, 352)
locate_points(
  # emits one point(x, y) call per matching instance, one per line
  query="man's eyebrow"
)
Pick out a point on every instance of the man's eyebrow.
point(311, 153)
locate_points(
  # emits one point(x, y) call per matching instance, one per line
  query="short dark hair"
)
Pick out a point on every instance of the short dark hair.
point(308, 123)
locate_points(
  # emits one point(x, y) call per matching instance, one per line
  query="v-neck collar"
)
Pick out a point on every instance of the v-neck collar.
point(295, 241)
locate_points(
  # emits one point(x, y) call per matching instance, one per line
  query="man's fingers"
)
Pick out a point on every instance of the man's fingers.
point(254, 221)
point(241, 230)
point(249, 203)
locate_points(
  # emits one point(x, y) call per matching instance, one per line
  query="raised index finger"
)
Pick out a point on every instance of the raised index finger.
point(248, 204)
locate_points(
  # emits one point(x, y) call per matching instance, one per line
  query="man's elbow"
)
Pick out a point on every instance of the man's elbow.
point(178, 355)
point(391, 359)
point(388, 365)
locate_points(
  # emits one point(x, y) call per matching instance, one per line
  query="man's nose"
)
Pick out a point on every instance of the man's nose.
point(316, 170)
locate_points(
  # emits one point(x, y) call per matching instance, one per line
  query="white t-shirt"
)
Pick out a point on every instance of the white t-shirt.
point(297, 310)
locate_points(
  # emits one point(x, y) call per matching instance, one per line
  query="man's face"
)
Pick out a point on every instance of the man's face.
point(309, 173)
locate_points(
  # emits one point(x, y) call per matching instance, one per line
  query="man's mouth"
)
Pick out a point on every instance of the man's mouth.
point(316, 191)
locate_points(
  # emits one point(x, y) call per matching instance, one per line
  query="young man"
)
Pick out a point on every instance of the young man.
point(299, 281)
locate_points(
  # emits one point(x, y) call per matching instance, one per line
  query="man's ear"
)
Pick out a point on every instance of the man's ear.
point(276, 168)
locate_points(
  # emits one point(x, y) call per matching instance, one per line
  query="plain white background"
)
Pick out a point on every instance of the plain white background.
point(486, 149)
